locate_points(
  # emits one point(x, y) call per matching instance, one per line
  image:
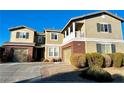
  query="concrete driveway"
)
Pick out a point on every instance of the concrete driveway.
point(13, 72)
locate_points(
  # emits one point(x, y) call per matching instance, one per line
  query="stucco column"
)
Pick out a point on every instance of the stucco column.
point(65, 33)
point(73, 25)
point(68, 30)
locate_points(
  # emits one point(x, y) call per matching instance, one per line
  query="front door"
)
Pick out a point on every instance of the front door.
point(40, 54)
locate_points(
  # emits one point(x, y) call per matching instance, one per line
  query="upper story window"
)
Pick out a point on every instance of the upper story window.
point(40, 39)
point(104, 27)
point(54, 36)
point(22, 35)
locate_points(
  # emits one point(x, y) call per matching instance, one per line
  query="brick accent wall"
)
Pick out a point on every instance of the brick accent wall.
point(76, 47)
point(30, 50)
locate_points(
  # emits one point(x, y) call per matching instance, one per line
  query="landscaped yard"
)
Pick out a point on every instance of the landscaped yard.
point(83, 68)
point(117, 73)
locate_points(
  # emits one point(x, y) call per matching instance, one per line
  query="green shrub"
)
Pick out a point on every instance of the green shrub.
point(96, 73)
point(107, 61)
point(95, 59)
point(117, 59)
point(78, 60)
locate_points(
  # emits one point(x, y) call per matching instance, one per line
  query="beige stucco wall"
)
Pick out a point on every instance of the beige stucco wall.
point(120, 47)
point(49, 57)
point(29, 40)
point(91, 27)
point(49, 41)
point(91, 47)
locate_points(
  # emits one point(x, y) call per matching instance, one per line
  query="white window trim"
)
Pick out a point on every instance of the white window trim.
point(104, 23)
point(105, 46)
point(53, 51)
point(54, 39)
point(22, 33)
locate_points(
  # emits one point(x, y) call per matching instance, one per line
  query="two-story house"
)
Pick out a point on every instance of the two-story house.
point(25, 45)
point(96, 32)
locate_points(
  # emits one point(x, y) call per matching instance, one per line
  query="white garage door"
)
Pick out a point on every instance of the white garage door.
point(67, 55)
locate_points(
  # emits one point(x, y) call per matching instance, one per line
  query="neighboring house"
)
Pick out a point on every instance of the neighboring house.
point(1, 53)
point(97, 32)
point(25, 44)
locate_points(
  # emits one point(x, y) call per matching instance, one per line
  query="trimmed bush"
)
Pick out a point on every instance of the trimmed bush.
point(56, 60)
point(89, 59)
point(107, 61)
point(59, 60)
point(95, 59)
point(123, 60)
point(78, 60)
point(53, 60)
point(46, 60)
point(117, 59)
point(96, 73)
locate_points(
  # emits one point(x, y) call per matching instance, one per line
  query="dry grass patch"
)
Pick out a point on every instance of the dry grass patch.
point(114, 70)
point(117, 73)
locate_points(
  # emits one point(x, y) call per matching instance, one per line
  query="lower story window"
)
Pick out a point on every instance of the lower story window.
point(50, 51)
point(106, 48)
point(53, 51)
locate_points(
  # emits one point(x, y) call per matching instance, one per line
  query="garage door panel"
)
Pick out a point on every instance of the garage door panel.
point(20, 55)
point(67, 55)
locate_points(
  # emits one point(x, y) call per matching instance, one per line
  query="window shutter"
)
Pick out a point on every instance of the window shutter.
point(99, 48)
point(27, 35)
point(113, 48)
point(109, 27)
point(98, 27)
point(17, 35)
point(102, 27)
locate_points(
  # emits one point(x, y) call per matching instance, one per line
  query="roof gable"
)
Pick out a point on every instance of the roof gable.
point(92, 15)
point(20, 27)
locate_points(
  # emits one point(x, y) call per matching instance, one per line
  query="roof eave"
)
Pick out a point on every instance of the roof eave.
point(91, 14)
point(22, 26)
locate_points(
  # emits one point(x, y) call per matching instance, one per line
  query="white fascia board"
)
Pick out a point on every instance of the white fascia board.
point(53, 45)
point(94, 40)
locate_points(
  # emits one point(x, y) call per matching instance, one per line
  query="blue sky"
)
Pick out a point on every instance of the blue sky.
point(39, 19)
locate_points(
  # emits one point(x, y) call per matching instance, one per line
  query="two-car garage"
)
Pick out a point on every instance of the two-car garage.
point(19, 53)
